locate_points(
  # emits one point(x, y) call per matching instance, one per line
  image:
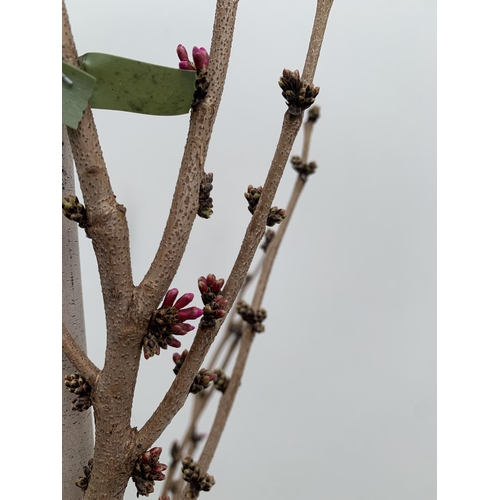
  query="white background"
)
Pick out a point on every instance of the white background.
point(335, 402)
point(339, 395)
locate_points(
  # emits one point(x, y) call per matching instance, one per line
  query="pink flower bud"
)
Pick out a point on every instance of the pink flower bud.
point(155, 452)
point(218, 285)
point(146, 457)
point(220, 313)
point(159, 468)
point(211, 280)
point(182, 53)
point(202, 285)
point(189, 313)
point(220, 301)
point(184, 300)
point(173, 342)
point(200, 57)
point(176, 356)
point(169, 299)
point(182, 328)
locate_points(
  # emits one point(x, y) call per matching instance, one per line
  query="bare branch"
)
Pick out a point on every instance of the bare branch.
point(78, 358)
point(227, 400)
point(107, 223)
point(185, 200)
point(323, 8)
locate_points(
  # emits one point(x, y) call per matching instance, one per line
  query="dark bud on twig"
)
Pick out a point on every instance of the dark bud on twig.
point(268, 237)
point(147, 470)
point(83, 481)
point(76, 384)
point(201, 87)
point(74, 210)
point(205, 201)
point(179, 360)
point(203, 377)
point(276, 216)
point(197, 437)
point(296, 162)
point(222, 381)
point(253, 195)
point(303, 169)
point(191, 474)
point(175, 452)
point(206, 482)
point(202, 381)
point(254, 318)
point(299, 95)
point(313, 115)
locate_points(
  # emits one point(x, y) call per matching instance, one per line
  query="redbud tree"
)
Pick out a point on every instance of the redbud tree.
point(144, 319)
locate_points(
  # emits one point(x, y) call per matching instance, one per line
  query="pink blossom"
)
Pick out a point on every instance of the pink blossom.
point(201, 58)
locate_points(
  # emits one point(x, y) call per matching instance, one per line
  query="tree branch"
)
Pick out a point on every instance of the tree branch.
point(107, 222)
point(78, 358)
point(227, 400)
point(185, 200)
point(323, 8)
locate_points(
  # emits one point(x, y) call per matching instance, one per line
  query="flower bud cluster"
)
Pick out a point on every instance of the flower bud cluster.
point(299, 95)
point(147, 470)
point(191, 474)
point(203, 377)
point(83, 481)
point(276, 216)
point(205, 201)
point(254, 318)
point(169, 320)
point(304, 169)
point(222, 381)
point(253, 194)
point(200, 57)
point(215, 303)
point(76, 384)
point(201, 60)
point(268, 237)
point(74, 210)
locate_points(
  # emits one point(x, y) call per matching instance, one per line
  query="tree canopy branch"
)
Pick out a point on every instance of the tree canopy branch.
point(78, 358)
point(185, 200)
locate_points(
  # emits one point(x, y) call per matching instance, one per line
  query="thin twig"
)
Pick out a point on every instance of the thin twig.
point(228, 323)
point(107, 223)
point(78, 358)
point(229, 395)
point(323, 8)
